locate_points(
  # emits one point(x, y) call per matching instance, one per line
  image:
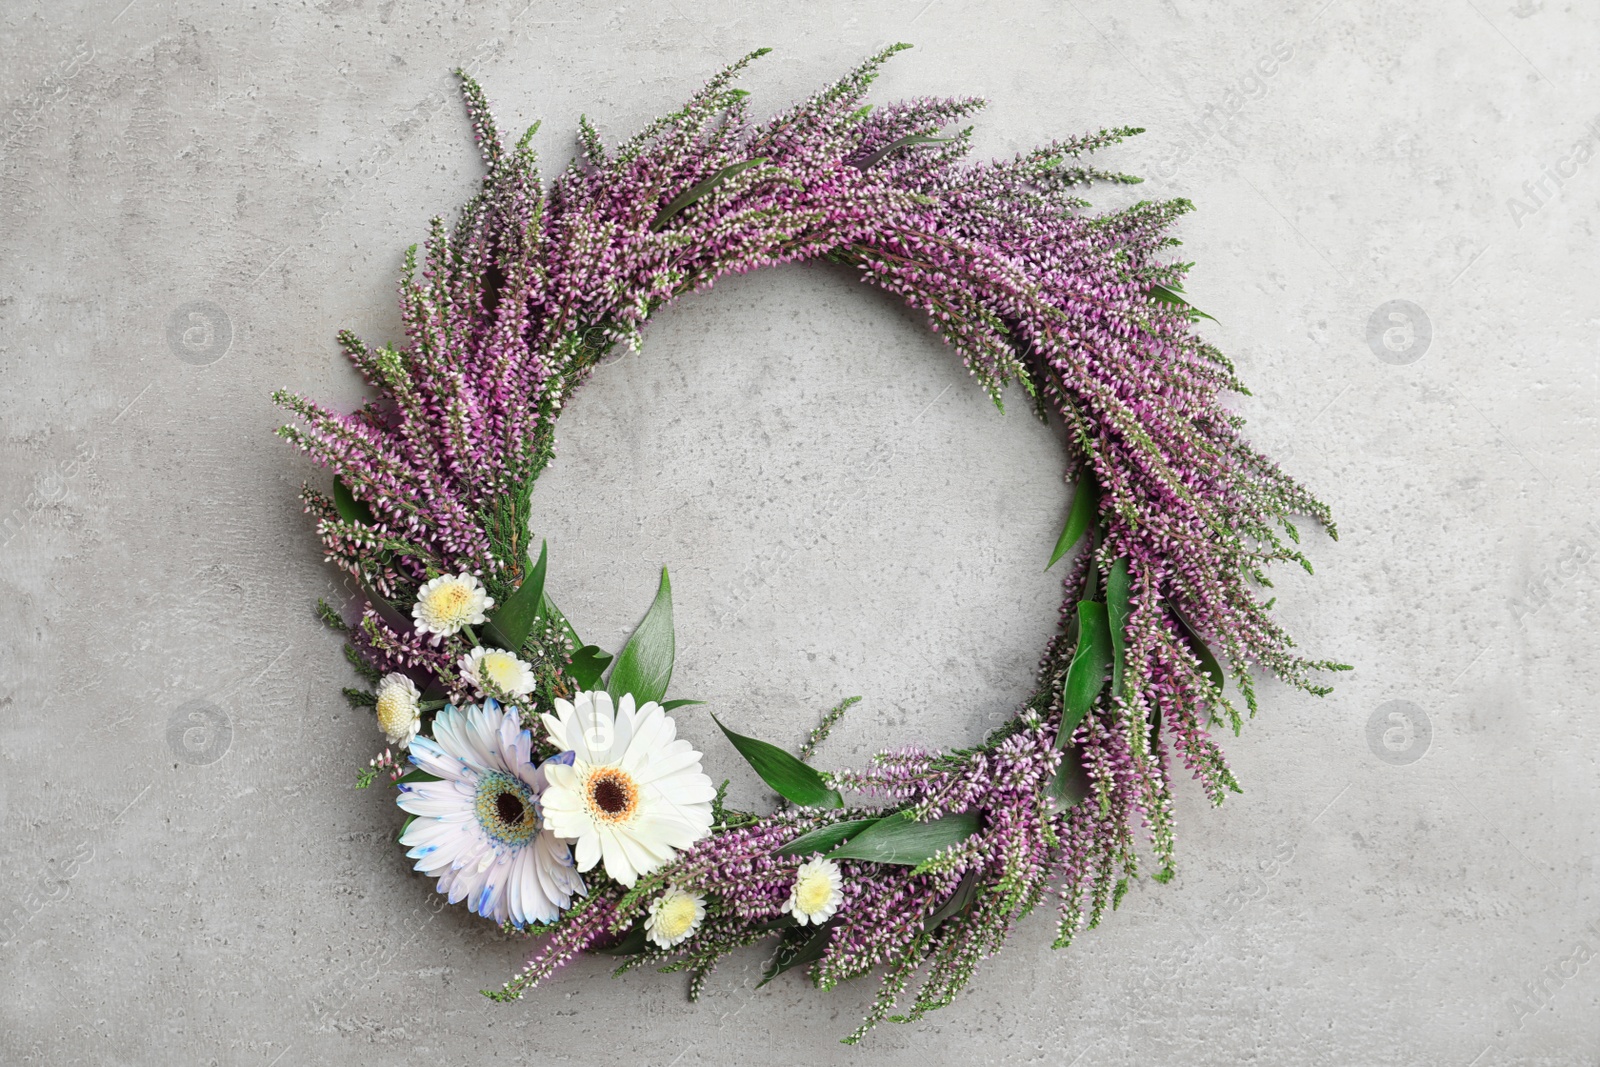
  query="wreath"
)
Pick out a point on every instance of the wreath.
point(544, 780)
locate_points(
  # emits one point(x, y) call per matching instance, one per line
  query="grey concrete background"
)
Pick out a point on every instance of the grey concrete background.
point(197, 196)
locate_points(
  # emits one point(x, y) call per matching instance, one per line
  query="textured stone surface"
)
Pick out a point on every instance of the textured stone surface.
point(195, 197)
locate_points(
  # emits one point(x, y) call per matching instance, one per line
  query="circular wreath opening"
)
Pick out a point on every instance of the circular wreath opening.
point(841, 511)
point(546, 787)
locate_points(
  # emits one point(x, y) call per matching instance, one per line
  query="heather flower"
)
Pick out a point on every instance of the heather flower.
point(818, 889)
point(399, 709)
point(674, 917)
point(447, 603)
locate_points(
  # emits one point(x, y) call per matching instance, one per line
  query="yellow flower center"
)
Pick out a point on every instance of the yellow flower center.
point(500, 669)
point(676, 916)
point(612, 795)
point(812, 894)
point(448, 603)
point(395, 711)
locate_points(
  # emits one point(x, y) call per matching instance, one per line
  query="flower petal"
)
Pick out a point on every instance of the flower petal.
point(427, 754)
point(617, 864)
point(588, 851)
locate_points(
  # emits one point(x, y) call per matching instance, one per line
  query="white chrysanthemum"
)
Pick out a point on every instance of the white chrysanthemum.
point(497, 673)
point(447, 603)
point(399, 709)
point(480, 829)
point(674, 916)
point(634, 794)
point(818, 889)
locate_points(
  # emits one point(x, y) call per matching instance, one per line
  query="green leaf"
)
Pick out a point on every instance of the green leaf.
point(588, 664)
point(699, 192)
point(1208, 662)
point(965, 891)
point(1071, 782)
point(1087, 674)
point(1167, 296)
point(1118, 590)
point(513, 621)
point(797, 948)
point(824, 837)
point(349, 508)
point(905, 142)
point(630, 944)
point(418, 775)
point(898, 839)
point(787, 775)
point(390, 614)
point(644, 666)
point(672, 705)
point(409, 820)
point(1085, 504)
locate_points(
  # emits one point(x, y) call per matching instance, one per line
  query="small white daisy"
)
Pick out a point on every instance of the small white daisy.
point(674, 916)
point(399, 713)
point(818, 889)
point(447, 603)
point(497, 673)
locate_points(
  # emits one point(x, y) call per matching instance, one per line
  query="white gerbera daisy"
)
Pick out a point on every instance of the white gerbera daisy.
point(447, 603)
point(634, 794)
point(674, 916)
point(480, 829)
point(399, 709)
point(818, 889)
point(497, 673)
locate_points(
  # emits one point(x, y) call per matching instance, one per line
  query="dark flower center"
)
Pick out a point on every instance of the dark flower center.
point(510, 808)
point(613, 796)
point(507, 812)
point(609, 796)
